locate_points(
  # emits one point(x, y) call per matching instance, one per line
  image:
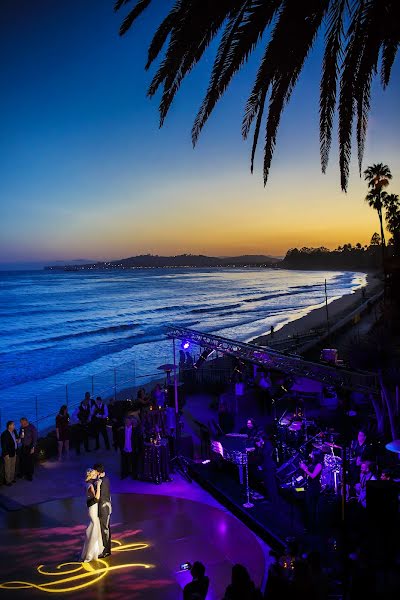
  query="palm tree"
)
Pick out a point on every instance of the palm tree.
point(391, 203)
point(378, 177)
point(358, 35)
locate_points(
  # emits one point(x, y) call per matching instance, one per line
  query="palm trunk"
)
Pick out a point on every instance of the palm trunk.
point(382, 237)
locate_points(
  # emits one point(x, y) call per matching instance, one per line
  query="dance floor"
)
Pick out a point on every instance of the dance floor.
point(152, 536)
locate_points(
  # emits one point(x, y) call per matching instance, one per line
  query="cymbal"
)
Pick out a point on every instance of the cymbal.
point(393, 446)
point(333, 445)
point(322, 447)
point(318, 445)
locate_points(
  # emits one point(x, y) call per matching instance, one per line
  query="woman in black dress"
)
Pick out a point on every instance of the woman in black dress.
point(313, 471)
point(62, 431)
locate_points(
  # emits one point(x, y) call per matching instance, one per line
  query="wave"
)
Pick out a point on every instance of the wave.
point(214, 308)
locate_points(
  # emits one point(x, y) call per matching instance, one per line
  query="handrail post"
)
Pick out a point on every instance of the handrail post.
point(115, 385)
point(36, 413)
point(92, 378)
point(66, 394)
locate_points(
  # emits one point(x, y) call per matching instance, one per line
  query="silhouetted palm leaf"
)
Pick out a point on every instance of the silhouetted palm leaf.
point(357, 34)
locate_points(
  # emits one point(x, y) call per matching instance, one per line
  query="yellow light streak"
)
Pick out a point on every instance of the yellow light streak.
point(78, 575)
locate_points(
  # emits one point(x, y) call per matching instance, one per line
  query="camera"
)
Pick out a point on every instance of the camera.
point(185, 566)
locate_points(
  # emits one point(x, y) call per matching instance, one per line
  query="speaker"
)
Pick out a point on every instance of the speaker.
point(382, 502)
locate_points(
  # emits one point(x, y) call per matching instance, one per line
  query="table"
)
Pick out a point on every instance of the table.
point(155, 464)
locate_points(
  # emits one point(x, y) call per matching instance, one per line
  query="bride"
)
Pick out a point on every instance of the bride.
point(93, 541)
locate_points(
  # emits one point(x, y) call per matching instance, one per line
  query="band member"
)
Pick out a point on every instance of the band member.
point(250, 429)
point(360, 451)
point(268, 468)
point(99, 416)
point(313, 471)
point(360, 448)
point(366, 475)
point(387, 475)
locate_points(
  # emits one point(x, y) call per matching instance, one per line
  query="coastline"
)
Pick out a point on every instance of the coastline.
point(316, 317)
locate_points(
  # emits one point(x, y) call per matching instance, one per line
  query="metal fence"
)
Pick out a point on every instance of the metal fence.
point(41, 409)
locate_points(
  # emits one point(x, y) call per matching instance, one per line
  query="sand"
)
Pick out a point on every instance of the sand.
point(316, 318)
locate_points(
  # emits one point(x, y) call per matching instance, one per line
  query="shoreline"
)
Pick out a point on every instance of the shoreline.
point(315, 318)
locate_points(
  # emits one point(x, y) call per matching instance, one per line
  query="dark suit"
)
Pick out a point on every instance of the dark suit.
point(9, 453)
point(130, 460)
point(105, 513)
point(8, 444)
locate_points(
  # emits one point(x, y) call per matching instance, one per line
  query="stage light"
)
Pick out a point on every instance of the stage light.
point(185, 345)
point(202, 358)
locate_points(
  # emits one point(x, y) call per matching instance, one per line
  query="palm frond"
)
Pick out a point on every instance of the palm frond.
point(160, 36)
point(240, 37)
point(346, 99)
point(132, 15)
point(186, 46)
point(372, 37)
point(289, 64)
point(330, 72)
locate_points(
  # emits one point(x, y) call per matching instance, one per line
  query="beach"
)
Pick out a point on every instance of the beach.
point(316, 319)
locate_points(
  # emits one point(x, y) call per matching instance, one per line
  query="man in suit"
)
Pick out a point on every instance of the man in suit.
point(98, 417)
point(130, 443)
point(83, 416)
point(105, 509)
point(28, 436)
point(9, 443)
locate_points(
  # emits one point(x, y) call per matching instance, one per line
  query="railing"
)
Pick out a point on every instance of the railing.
point(41, 409)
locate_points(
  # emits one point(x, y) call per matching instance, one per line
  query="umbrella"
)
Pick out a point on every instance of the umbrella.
point(167, 367)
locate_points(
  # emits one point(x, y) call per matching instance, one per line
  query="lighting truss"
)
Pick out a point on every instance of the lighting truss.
point(264, 356)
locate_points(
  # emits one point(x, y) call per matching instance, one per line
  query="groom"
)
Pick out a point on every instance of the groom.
point(104, 509)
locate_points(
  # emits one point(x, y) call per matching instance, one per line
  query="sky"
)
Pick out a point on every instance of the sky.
point(85, 172)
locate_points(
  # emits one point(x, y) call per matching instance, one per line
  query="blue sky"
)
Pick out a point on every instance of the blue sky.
point(86, 173)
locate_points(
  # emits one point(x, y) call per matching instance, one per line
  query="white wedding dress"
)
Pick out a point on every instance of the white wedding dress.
point(93, 545)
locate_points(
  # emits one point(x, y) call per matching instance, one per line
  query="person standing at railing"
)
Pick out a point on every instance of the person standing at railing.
point(9, 444)
point(62, 431)
point(99, 416)
point(83, 416)
point(28, 436)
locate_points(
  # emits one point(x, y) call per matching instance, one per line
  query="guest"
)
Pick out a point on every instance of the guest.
point(83, 417)
point(143, 399)
point(99, 416)
point(28, 437)
point(241, 586)
point(62, 431)
point(158, 396)
point(313, 472)
point(115, 419)
point(198, 587)
point(9, 443)
point(366, 475)
point(130, 443)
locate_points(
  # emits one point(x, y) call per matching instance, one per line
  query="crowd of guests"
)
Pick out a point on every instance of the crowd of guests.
point(123, 426)
point(291, 575)
point(241, 586)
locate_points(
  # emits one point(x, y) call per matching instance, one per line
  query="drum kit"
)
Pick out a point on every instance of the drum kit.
point(292, 433)
point(331, 476)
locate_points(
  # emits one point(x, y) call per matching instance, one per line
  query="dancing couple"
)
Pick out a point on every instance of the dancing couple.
point(98, 500)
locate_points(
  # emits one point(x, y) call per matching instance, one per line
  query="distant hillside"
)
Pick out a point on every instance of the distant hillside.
point(149, 261)
point(345, 257)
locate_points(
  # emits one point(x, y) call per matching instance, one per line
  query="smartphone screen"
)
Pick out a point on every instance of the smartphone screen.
point(185, 567)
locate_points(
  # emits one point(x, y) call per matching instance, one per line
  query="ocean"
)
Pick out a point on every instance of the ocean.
point(60, 327)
